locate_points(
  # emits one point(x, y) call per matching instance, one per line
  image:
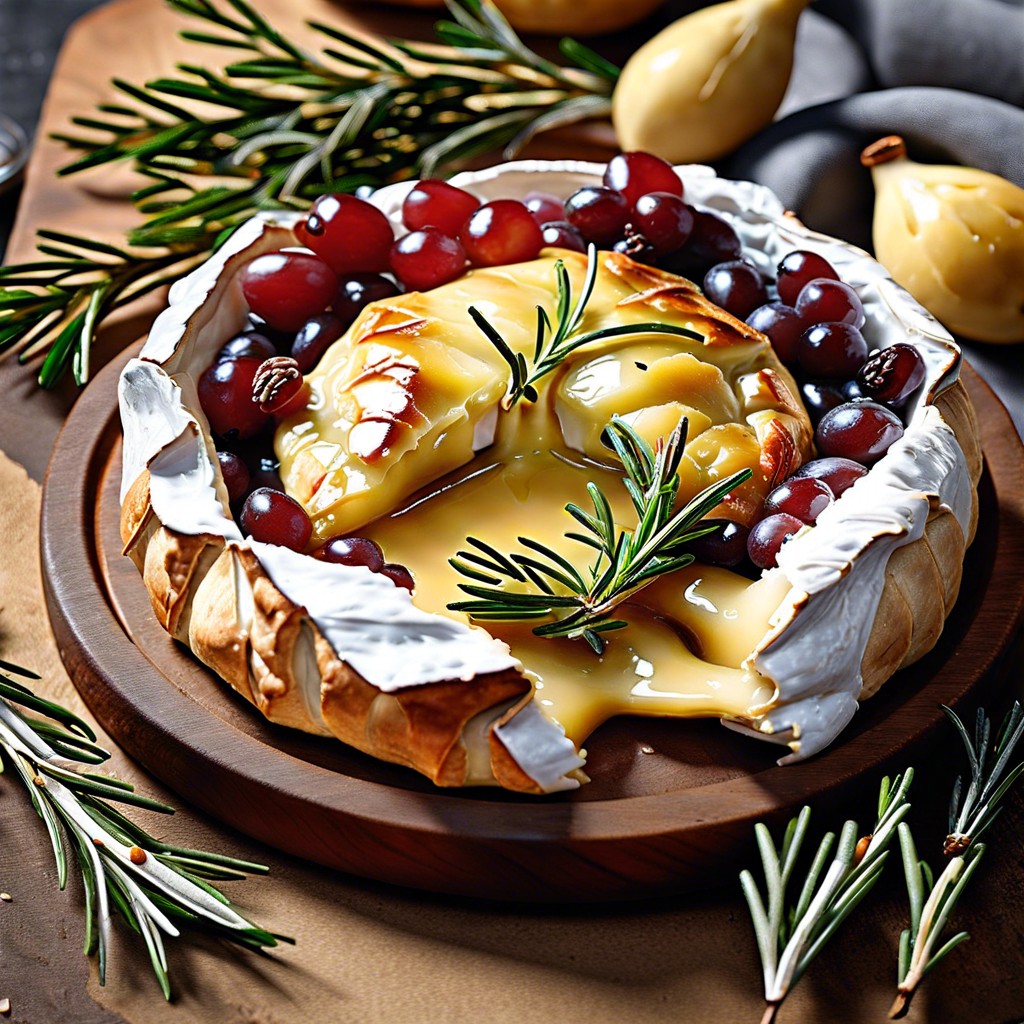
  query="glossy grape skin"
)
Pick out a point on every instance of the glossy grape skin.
point(314, 338)
point(352, 551)
point(287, 288)
point(247, 345)
point(736, 287)
point(862, 431)
point(767, 537)
point(358, 290)
point(711, 241)
point(796, 269)
point(892, 374)
point(544, 207)
point(635, 174)
point(819, 397)
point(782, 325)
point(436, 204)
point(501, 232)
point(225, 394)
point(428, 258)
point(399, 575)
point(562, 234)
point(664, 220)
point(832, 351)
point(724, 546)
point(274, 518)
point(235, 473)
point(803, 497)
point(826, 301)
point(347, 233)
point(264, 473)
point(840, 474)
point(599, 214)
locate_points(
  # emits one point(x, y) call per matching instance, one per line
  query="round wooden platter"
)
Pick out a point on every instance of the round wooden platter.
point(670, 805)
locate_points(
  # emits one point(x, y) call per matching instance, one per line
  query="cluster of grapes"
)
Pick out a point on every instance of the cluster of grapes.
point(853, 399)
point(303, 301)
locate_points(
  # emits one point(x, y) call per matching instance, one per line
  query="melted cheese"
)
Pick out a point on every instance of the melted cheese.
point(401, 404)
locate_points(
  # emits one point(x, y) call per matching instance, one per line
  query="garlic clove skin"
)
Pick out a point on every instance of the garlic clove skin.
point(708, 82)
point(954, 238)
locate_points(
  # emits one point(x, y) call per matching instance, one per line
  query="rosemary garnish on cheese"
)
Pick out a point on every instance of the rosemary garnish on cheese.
point(582, 600)
point(555, 342)
point(151, 883)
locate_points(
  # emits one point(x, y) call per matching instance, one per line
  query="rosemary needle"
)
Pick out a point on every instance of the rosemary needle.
point(790, 935)
point(274, 129)
point(151, 883)
point(932, 900)
point(582, 601)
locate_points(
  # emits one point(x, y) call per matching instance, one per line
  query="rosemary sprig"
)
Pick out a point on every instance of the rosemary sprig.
point(150, 882)
point(627, 561)
point(932, 900)
point(554, 344)
point(275, 129)
point(790, 936)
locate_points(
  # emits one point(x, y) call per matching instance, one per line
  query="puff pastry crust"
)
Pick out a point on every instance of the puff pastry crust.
point(212, 592)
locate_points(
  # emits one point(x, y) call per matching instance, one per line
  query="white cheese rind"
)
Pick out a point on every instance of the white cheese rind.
point(375, 627)
point(839, 565)
point(540, 747)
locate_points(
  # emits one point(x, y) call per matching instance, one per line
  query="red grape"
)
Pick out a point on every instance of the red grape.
point(544, 207)
point(862, 431)
point(249, 345)
point(803, 497)
point(826, 301)
point(736, 287)
point(436, 204)
point(264, 473)
point(819, 397)
point(287, 288)
point(426, 259)
point(599, 214)
point(315, 337)
point(357, 290)
point(352, 551)
point(725, 546)
point(796, 269)
point(349, 234)
point(635, 174)
point(274, 518)
point(399, 575)
point(782, 325)
point(562, 234)
point(768, 536)
point(839, 474)
point(834, 351)
point(235, 474)
point(711, 241)
point(892, 374)
point(664, 219)
point(225, 393)
point(501, 232)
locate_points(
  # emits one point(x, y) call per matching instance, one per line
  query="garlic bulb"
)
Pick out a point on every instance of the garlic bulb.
point(954, 238)
point(707, 82)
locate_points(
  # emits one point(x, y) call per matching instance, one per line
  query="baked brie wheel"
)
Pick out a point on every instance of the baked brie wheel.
point(405, 439)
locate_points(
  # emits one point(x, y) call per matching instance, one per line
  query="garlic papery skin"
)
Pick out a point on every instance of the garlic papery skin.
point(708, 82)
point(954, 238)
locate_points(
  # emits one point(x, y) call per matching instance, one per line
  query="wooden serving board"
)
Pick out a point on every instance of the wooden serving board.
point(670, 805)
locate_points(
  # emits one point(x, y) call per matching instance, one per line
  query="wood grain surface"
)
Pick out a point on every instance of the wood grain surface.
point(647, 823)
point(370, 953)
